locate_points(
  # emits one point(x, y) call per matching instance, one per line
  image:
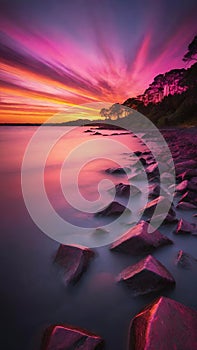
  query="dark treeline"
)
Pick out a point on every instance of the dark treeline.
point(171, 98)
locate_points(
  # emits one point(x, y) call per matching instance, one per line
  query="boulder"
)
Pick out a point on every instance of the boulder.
point(63, 337)
point(126, 190)
point(185, 227)
point(113, 209)
point(137, 240)
point(164, 324)
point(185, 260)
point(147, 276)
point(74, 259)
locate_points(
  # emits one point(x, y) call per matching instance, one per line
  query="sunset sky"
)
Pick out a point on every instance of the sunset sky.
point(60, 53)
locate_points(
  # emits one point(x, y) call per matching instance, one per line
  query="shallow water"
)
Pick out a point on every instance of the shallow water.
point(33, 294)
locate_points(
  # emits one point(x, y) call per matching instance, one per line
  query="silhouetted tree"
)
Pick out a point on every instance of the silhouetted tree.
point(192, 51)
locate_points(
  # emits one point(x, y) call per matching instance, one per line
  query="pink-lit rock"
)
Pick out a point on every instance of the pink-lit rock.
point(185, 227)
point(63, 337)
point(147, 276)
point(74, 259)
point(138, 240)
point(164, 205)
point(165, 324)
point(113, 209)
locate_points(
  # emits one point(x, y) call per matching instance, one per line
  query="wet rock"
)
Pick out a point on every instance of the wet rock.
point(113, 209)
point(187, 174)
point(74, 259)
point(63, 337)
point(126, 190)
point(186, 206)
point(138, 153)
point(164, 324)
point(185, 260)
point(138, 240)
point(164, 204)
point(186, 185)
point(118, 171)
point(185, 227)
point(142, 160)
point(187, 164)
point(152, 169)
point(154, 191)
point(147, 276)
point(183, 186)
point(190, 197)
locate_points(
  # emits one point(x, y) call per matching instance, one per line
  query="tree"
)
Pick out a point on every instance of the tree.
point(105, 113)
point(192, 51)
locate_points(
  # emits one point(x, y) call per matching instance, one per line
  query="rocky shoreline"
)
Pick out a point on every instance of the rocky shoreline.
point(154, 326)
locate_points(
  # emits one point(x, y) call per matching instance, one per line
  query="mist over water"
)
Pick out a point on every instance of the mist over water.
point(33, 294)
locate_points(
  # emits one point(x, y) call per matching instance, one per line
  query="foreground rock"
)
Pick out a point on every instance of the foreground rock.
point(164, 325)
point(147, 276)
point(185, 260)
point(74, 259)
point(163, 203)
point(138, 241)
point(113, 209)
point(62, 337)
point(185, 227)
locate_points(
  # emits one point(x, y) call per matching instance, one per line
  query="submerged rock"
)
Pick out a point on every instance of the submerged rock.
point(185, 227)
point(113, 209)
point(185, 260)
point(137, 240)
point(164, 324)
point(74, 259)
point(126, 190)
point(147, 276)
point(63, 337)
point(186, 206)
point(118, 171)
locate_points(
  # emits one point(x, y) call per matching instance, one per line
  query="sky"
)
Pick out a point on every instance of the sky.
point(58, 54)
